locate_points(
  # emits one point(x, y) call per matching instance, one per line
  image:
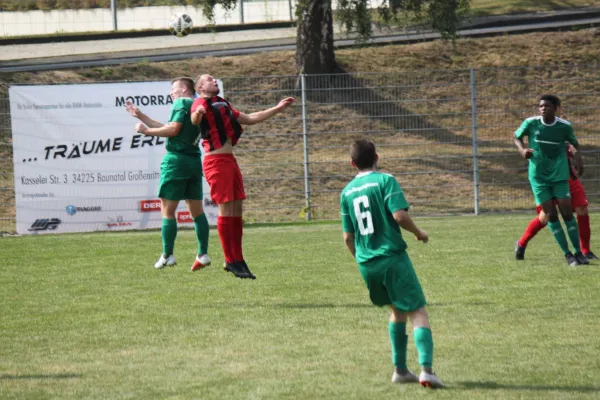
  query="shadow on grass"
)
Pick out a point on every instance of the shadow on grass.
point(501, 386)
point(38, 376)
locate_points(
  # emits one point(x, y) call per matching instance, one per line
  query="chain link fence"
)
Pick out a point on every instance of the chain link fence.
point(445, 135)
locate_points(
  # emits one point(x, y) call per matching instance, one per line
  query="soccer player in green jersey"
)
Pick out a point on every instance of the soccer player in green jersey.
point(549, 171)
point(181, 171)
point(373, 207)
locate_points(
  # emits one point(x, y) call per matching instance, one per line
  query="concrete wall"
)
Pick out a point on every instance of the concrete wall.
point(139, 18)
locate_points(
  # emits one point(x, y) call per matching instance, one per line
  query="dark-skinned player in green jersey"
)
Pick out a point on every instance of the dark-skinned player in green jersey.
point(373, 209)
point(549, 171)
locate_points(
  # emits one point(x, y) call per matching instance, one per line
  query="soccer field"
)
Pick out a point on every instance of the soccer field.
point(87, 316)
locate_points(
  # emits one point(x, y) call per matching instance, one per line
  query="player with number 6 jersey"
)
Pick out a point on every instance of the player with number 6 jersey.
point(373, 209)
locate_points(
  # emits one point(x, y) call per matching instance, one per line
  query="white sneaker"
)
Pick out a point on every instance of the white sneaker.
point(201, 262)
point(430, 381)
point(409, 377)
point(164, 262)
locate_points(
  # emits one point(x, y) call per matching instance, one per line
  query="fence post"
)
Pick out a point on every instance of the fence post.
point(113, 9)
point(305, 145)
point(474, 131)
point(241, 11)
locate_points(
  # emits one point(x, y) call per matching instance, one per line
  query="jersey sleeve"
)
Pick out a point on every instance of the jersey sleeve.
point(523, 130)
point(197, 103)
point(347, 225)
point(179, 111)
point(393, 196)
point(571, 136)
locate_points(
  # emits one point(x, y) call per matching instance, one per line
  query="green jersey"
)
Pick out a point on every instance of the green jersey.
point(186, 142)
point(549, 161)
point(367, 206)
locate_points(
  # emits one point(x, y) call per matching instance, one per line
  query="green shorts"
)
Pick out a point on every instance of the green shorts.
point(392, 280)
point(180, 177)
point(548, 191)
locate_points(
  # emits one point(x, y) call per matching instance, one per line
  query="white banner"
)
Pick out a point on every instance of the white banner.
point(79, 164)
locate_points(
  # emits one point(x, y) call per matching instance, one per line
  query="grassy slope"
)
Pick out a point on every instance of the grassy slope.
point(539, 49)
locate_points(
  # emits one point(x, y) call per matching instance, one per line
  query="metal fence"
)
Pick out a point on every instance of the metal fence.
point(445, 135)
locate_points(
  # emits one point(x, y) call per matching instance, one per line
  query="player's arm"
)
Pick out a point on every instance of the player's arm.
point(260, 116)
point(519, 134)
point(396, 203)
point(198, 112)
point(576, 159)
point(349, 241)
point(134, 111)
point(347, 227)
point(170, 130)
point(405, 221)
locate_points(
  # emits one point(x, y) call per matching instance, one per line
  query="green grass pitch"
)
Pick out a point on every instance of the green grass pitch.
point(88, 317)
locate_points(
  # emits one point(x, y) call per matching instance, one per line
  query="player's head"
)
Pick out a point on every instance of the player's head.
point(182, 87)
point(206, 85)
point(363, 154)
point(549, 105)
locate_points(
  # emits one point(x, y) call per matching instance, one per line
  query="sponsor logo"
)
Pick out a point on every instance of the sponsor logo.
point(536, 133)
point(118, 221)
point(184, 217)
point(44, 224)
point(150, 205)
point(72, 210)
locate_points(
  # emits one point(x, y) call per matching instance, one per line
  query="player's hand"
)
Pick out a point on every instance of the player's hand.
point(197, 115)
point(132, 109)
point(527, 153)
point(285, 103)
point(141, 128)
point(422, 236)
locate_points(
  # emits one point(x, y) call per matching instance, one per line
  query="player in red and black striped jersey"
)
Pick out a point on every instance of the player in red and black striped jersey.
point(220, 127)
point(579, 204)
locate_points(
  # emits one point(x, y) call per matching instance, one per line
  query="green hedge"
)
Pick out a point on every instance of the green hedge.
point(25, 5)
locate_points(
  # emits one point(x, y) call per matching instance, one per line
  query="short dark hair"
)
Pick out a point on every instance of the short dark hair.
point(363, 153)
point(187, 82)
point(552, 99)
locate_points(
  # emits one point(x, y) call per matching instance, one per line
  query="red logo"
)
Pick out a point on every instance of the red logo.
point(184, 217)
point(149, 205)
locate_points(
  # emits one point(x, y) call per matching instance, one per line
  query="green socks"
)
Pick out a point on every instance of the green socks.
point(573, 232)
point(424, 344)
point(169, 233)
point(202, 230)
point(399, 341)
point(559, 235)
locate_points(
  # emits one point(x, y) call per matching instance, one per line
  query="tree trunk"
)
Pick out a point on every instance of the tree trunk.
point(314, 41)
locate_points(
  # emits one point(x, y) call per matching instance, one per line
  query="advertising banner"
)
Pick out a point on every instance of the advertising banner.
point(79, 164)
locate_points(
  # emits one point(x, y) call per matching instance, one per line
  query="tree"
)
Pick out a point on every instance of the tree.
point(314, 42)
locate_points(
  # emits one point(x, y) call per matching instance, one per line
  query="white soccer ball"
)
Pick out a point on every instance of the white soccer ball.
point(181, 25)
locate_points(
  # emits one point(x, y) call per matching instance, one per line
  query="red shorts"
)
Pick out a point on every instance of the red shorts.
point(224, 177)
point(578, 197)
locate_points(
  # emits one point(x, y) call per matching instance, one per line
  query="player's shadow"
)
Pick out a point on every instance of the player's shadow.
point(501, 386)
point(9, 377)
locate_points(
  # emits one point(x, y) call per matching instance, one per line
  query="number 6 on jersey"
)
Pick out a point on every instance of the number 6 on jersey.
point(363, 217)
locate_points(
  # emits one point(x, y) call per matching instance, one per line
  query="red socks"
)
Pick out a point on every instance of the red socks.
point(230, 232)
point(585, 232)
point(532, 229)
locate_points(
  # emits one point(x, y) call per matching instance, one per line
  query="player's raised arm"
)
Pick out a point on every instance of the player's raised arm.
point(137, 113)
point(170, 130)
point(198, 112)
point(257, 117)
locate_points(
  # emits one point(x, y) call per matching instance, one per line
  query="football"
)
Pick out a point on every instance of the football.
point(181, 25)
